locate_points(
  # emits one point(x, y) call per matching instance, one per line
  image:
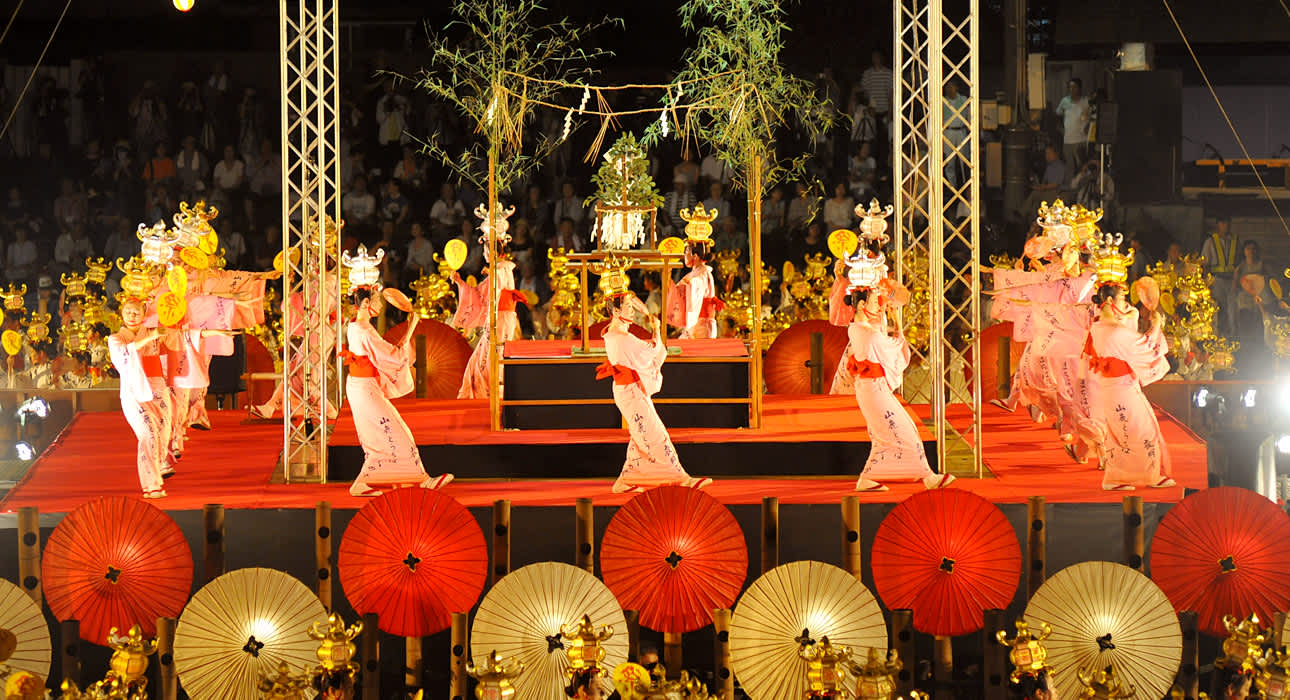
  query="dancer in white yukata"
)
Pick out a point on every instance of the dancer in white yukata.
point(636, 368)
point(1122, 360)
point(378, 372)
point(877, 361)
point(145, 398)
point(692, 303)
point(473, 302)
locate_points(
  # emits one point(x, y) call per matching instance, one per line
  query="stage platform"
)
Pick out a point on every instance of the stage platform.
point(232, 465)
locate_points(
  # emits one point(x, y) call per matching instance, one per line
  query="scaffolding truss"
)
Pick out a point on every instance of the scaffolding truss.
point(938, 205)
point(310, 124)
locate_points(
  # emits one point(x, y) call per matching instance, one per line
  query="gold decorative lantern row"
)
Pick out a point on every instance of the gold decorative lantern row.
point(584, 650)
point(1103, 685)
point(495, 676)
point(125, 680)
point(1028, 654)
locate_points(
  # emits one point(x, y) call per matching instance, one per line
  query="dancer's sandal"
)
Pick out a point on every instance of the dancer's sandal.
point(938, 481)
point(696, 482)
point(155, 493)
point(1164, 483)
point(363, 491)
point(626, 488)
point(870, 486)
point(1118, 487)
point(437, 482)
point(258, 412)
point(999, 403)
point(167, 472)
point(1070, 451)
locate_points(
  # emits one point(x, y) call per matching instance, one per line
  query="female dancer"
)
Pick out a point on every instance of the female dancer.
point(473, 301)
point(635, 366)
point(877, 362)
point(379, 371)
point(145, 398)
point(873, 236)
point(692, 304)
point(1122, 360)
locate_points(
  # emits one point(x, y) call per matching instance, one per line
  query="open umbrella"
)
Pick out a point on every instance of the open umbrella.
point(1222, 551)
point(24, 634)
point(787, 366)
point(949, 555)
point(675, 554)
point(116, 562)
point(239, 627)
point(413, 556)
point(789, 605)
point(1106, 614)
point(521, 616)
point(447, 353)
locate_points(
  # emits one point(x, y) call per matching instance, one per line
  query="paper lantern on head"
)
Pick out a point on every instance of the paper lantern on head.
point(1112, 266)
point(364, 268)
point(500, 223)
point(158, 242)
point(865, 271)
point(873, 222)
point(1058, 222)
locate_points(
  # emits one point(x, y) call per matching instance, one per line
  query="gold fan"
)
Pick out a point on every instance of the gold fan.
point(521, 616)
point(789, 605)
point(240, 627)
point(1106, 614)
point(24, 634)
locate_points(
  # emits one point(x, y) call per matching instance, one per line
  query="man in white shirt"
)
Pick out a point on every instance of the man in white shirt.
point(447, 212)
point(956, 133)
point(569, 206)
point(876, 81)
point(230, 172)
point(713, 169)
point(1073, 110)
point(358, 205)
point(191, 166)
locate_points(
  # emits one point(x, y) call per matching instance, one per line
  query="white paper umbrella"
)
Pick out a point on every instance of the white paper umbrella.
point(1106, 614)
point(241, 626)
point(21, 617)
point(521, 616)
point(808, 598)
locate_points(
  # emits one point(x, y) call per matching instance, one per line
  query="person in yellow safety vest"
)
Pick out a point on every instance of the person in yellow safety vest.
point(1222, 254)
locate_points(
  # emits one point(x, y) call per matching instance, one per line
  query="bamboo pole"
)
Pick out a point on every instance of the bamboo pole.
point(1134, 535)
point(851, 555)
point(494, 375)
point(167, 680)
point(29, 552)
point(412, 664)
point(585, 535)
point(995, 665)
point(1189, 670)
point(1278, 628)
point(322, 551)
point(817, 363)
point(371, 650)
point(943, 669)
point(213, 544)
point(724, 677)
point(633, 619)
point(902, 640)
point(754, 257)
point(69, 639)
point(501, 540)
point(769, 533)
point(672, 654)
point(1036, 544)
point(457, 657)
point(419, 342)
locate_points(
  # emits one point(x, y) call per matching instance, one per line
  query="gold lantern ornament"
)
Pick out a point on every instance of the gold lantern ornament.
point(494, 677)
point(285, 685)
point(584, 649)
point(1273, 677)
point(1028, 654)
point(336, 644)
point(24, 685)
point(825, 667)
point(1243, 648)
point(1103, 685)
point(130, 654)
point(876, 679)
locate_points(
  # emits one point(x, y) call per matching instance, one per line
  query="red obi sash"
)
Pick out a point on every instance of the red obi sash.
point(152, 366)
point(359, 365)
point(508, 298)
point(864, 369)
point(1109, 367)
point(622, 375)
point(711, 307)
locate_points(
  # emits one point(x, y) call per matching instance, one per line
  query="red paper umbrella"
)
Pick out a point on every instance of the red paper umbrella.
point(447, 353)
point(413, 556)
point(1223, 551)
point(787, 368)
point(116, 562)
point(949, 555)
point(258, 361)
point(674, 554)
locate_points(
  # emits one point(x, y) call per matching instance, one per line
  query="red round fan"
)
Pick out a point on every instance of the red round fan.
point(447, 353)
point(413, 556)
point(116, 562)
point(1223, 551)
point(949, 555)
point(787, 368)
point(675, 554)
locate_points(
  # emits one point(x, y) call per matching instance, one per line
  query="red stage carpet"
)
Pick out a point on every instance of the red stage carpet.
point(232, 464)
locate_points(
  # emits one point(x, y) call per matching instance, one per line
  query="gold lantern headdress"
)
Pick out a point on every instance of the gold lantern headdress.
point(1112, 266)
point(336, 644)
point(97, 269)
point(38, 328)
point(1084, 232)
point(584, 650)
point(698, 224)
point(15, 297)
point(865, 271)
point(613, 277)
point(76, 336)
point(285, 685)
point(500, 222)
point(1058, 221)
point(328, 236)
point(876, 679)
point(1103, 685)
point(1273, 679)
point(825, 666)
point(1028, 654)
point(193, 224)
point(73, 285)
point(364, 268)
point(1242, 650)
point(873, 221)
point(139, 280)
point(494, 677)
point(158, 242)
point(130, 654)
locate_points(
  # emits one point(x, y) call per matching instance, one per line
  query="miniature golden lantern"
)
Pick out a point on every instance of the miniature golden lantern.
point(825, 668)
point(495, 676)
point(584, 650)
point(336, 643)
point(1103, 685)
point(876, 680)
point(130, 656)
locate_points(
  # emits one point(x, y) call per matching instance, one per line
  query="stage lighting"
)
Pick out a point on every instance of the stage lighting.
point(33, 407)
point(1249, 397)
point(1283, 444)
point(183, 5)
point(25, 451)
point(1202, 397)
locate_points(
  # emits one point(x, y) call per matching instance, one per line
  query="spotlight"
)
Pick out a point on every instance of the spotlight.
point(24, 451)
point(1283, 444)
point(183, 5)
point(1249, 397)
point(34, 406)
point(1202, 397)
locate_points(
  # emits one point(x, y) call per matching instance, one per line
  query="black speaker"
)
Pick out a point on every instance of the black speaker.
point(1148, 135)
point(1108, 123)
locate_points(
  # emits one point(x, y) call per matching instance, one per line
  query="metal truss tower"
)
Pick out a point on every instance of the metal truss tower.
point(310, 83)
point(938, 205)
